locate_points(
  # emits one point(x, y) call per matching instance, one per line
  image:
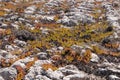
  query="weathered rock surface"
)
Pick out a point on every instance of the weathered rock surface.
point(59, 39)
point(8, 73)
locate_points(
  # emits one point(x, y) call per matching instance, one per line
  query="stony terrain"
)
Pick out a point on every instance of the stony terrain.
point(59, 39)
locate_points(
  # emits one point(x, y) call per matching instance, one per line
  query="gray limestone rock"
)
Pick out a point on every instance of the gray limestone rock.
point(8, 73)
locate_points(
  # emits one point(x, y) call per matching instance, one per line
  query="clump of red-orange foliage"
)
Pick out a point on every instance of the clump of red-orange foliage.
point(69, 56)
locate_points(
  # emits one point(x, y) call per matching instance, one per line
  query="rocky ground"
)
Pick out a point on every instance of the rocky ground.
point(59, 39)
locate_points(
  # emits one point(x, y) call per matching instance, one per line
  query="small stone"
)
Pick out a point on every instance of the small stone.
point(1, 78)
point(109, 29)
point(114, 77)
point(106, 41)
point(102, 72)
point(10, 56)
point(75, 76)
point(41, 62)
point(69, 70)
point(77, 48)
point(42, 56)
point(20, 43)
point(41, 77)
point(3, 53)
point(115, 35)
point(9, 48)
point(47, 19)
point(30, 9)
point(94, 58)
point(54, 74)
point(60, 48)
